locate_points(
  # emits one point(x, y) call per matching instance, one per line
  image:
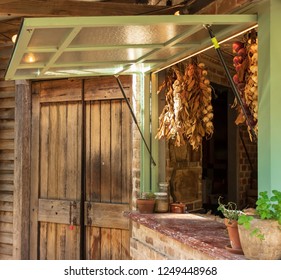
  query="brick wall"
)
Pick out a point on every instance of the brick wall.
point(136, 161)
point(148, 244)
point(247, 169)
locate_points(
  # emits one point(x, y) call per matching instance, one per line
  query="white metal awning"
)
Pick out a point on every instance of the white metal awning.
point(94, 46)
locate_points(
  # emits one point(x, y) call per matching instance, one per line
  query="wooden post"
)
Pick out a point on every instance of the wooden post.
point(22, 170)
point(269, 152)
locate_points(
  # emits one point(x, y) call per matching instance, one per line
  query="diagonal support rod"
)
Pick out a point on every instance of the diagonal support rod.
point(135, 119)
point(248, 116)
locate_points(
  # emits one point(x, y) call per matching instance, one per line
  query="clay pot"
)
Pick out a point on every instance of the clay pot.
point(177, 207)
point(255, 248)
point(232, 228)
point(146, 206)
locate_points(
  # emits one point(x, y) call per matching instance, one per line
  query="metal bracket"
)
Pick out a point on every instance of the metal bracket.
point(135, 119)
point(89, 219)
point(246, 112)
point(72, 213)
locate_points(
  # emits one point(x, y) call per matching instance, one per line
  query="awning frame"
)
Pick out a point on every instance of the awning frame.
point(145, 62)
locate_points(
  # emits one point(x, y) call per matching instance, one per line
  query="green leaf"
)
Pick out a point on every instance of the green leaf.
point(245, 220)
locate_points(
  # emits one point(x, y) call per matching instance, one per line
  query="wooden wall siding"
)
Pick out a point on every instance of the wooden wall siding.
point(7, 120)
point(57, 168)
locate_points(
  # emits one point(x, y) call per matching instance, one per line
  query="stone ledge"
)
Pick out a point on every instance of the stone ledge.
point(178, 236)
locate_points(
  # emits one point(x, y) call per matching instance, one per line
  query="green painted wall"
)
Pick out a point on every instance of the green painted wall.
point(269, 138)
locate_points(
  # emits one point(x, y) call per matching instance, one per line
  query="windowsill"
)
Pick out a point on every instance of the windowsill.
point(201, 234)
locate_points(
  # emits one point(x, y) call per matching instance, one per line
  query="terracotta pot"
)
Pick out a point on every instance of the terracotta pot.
point(146, 206)
point(232, 228)
point(257, 249)
point(177, 207)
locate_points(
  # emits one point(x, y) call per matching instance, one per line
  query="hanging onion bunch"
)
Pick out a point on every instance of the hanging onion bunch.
point(245, 62)
point(173, 116)
point(198, 98)
point(167, 118)
point(251, 87)
point(188, 113)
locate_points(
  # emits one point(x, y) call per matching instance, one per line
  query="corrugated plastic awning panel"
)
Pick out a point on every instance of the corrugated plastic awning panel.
point(94, 46)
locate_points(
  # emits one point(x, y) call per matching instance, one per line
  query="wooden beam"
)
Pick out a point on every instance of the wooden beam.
point(22, 171)
point(36, 8)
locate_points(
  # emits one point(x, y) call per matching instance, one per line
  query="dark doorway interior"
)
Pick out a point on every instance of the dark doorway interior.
point(215, 152)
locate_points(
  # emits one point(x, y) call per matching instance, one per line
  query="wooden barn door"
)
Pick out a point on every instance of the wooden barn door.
point(108, 165)
point(80, 182)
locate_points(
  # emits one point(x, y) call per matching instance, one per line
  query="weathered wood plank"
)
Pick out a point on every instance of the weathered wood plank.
point(61, 91)
point(116, 152)
point(7, 114)
point(7, 165)
point(61, 242)
point(6, 249)
point(7, 155)
point(107, 215)
point(72, 245)
point(61, 142)
point(6, 187)
point(7, 177)
point(73, 179)
point(7, 134)
point(51, 241)
point(105, 152)
point(116, 244)
point(7, 124)
point(6, 237)
point(7, 84)
point(6, 206)
point(7, 103)
point(125, 245)
point(43, 241)
point(6, 227)
point(6, 257)
point(58, 211)
point(7, 145)
point(8, 92)
point(22, 170)
point(88, 155)
point(95, 152)
point(44, 151)
point(24, 8)
point(6, 217)
point(106, 88)
point(93, 238)
point(46, 206)
point(106, 244)
point(80, 131)
point(6, 197)
point(34, 195)
point(53, 150)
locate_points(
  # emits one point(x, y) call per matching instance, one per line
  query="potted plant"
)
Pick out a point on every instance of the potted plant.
point(260, 231)
point(231, 215)
point(146, 203)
